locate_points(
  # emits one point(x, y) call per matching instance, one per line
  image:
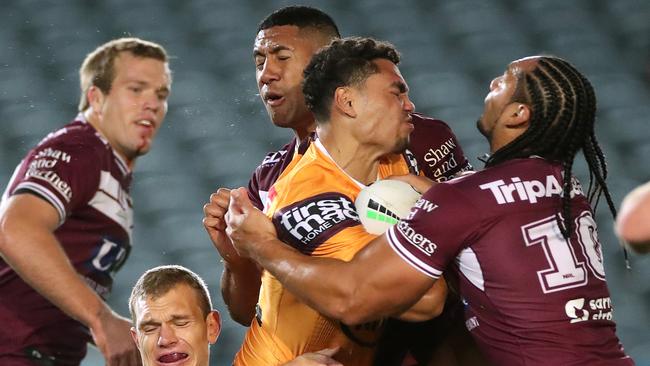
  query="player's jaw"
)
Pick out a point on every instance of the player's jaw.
point(402, 141)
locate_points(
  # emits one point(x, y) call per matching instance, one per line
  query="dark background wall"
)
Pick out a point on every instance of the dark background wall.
point(217, 131)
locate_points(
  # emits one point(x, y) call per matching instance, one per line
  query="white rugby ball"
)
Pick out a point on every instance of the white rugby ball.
point(383, 203)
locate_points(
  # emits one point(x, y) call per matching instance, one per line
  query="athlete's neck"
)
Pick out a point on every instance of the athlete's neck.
point(359, 161)
point(93, 119)
point(303, 131)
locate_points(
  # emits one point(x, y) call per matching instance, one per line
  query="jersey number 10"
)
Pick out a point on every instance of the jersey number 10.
point(565, 269)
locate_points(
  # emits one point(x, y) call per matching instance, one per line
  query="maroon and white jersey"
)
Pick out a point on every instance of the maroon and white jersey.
point(533, 297)
point(78, 173)
point(269, 170)
point(433, 150)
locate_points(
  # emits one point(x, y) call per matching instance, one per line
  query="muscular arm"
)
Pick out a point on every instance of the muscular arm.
point(632, 222)
point(241, 277)
point(28, 245)
point(376, 283)
point(429, 306)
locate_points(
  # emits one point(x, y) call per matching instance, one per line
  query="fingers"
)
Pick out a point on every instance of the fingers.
point(419, 183)
point(239, 202)
point(329, 352)
point(214, 223)
point(215, 210)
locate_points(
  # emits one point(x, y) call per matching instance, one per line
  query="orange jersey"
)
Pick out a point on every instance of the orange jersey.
point(312, 207)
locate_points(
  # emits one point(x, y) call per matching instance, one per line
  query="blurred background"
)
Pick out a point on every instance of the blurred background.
point(217, 130)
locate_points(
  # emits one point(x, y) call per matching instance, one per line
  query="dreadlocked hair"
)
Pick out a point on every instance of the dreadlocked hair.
point(563, 113)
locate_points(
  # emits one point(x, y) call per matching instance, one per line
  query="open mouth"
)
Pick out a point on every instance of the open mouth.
point(172, 357)
point(145, 123)
point(273, 99)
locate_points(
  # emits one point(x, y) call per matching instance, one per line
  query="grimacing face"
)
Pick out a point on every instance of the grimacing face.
point(172, 330)
point(133, 110)
point(385, 109)
point(281, 54)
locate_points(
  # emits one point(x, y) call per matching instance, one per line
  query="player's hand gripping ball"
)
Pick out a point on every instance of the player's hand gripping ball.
point(383, 203)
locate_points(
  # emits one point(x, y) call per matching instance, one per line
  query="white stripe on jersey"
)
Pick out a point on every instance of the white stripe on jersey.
point(471, 268)
point(47, 195)
point(408, 257)
point(264, 196)
point(113, 201)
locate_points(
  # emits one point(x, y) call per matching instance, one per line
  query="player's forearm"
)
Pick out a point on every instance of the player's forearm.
point(39, 260)
point(240, 291)
point(318, 282)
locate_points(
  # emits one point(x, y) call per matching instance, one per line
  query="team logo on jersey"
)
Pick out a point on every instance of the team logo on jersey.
point(308, 223)
point(575, 310)
point(596, 309)
point(528, 190)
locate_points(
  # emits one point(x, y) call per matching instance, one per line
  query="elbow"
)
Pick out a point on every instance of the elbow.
point(243, 319)
point(353, 310)
point(438, 308)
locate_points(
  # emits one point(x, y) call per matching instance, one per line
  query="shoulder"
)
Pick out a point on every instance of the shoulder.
point(421, 122)
point(76, 137)
point(519, 181)
point(273, 164)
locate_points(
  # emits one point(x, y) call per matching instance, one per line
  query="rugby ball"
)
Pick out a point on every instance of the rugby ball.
point(383, 203)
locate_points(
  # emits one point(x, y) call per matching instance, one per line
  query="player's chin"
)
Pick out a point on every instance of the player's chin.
point(142, 149)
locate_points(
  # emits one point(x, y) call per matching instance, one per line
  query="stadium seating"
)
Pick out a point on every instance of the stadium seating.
point(217, 130)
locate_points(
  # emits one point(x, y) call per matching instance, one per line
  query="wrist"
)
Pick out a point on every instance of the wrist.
point(239, 265)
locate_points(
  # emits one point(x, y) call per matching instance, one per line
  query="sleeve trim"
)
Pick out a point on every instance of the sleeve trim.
point(45, 194)
point(408, 257)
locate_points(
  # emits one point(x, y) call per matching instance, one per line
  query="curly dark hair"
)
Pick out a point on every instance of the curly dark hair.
point(344, 62)
point(301, 17)
point(563, 114)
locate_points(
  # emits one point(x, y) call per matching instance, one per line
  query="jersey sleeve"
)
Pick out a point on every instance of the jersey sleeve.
point(64, 174)
point(437, 229)
point(310, 222)
point(436, 149)
point(254, 191)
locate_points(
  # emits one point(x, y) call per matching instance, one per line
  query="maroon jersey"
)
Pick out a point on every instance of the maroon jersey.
point(433, 149)
point(533, 297)
point(78, 173)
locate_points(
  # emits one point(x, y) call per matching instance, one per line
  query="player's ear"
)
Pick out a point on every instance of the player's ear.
point(344, 101)
point(134, 336)
point(517, 116)
point(95, 98)
point(213, 322)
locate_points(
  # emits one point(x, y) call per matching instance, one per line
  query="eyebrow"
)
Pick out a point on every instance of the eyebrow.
point(164, 89)
point(400, 86)
point(156, 322)
point(274, 49)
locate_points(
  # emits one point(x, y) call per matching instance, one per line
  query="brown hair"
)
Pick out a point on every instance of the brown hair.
point(158, 281)
point(98, 70)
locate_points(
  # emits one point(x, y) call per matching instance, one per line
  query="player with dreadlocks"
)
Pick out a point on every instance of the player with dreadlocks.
point(563, 124)
point(534, 284)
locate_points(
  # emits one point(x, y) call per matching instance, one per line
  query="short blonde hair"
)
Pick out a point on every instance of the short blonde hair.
point(98, 70)
point(157, 281)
